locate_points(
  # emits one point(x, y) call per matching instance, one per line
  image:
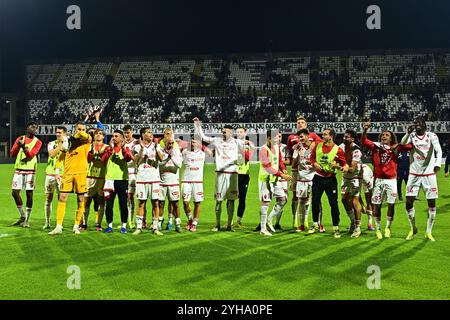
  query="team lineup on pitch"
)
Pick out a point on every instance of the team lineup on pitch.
point(149, 169)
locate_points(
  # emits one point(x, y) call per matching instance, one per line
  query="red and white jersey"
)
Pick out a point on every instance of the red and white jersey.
point(293, 140)
point(305, 168)
point(352, 154)
point(227, 154)
point(426, 153)
point(147, 170)
point(131, 164)
point(384, 159)
point(169, 168)
point(194, 162)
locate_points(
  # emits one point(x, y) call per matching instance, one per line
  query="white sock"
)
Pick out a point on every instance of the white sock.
point(218, 212)
point(238, 219)
point(277, 209)
point(21, 212)
point(411, 217)
point(48, 211)
point(263, 214)
point(389, 222)
point(272, 214)
point(130, 209)
point(378, 223)
point(139, 222)
point(294, 208)
point(177, 221)
point(154, 223)
point(195, 222)
point(124, 225)
point(431, 218)
point(171, 218)
point(28, 214)
point(279, 214)
point(230, 211)
point(301, 213)
point(110, 225)
point(369, 216)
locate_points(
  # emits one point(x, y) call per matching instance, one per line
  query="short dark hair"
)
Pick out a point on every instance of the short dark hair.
point(301, 118)
point(227, 126)
point(421, 121)
point(127, 127)
point(245, 129)
point(332, 132)
point(78, 123)
point(64, 129)
point(351, 132)
point(142, 131)
point(32, 123)
point(118, 131)
point(303, 131)
point(99, 130)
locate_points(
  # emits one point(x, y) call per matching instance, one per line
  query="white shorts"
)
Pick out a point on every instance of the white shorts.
point(226, 186)
point(146, 191)
point(192, 189)
point(269, 190)
point(131, 183)
point(384, 189)
point(170, 191)
point(429, 184)
point(293, 184)
point(367, 179)
point(95, 187)
point(284, 185)
point(52, 184)
point(23, 181)
point(304, 189)
point(350, 186)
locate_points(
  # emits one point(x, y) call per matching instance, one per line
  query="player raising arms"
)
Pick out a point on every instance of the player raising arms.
point(426, 156)
point(227, 161)
point(147, 156)
point(292, 141)
point(384, 159)
point(350, 185)
point(271, 171)
point(53, 175)
point(192, 181)
point(25, 148)
point(74, 177)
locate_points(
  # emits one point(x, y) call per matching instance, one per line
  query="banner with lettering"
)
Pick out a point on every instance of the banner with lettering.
point(261, 128)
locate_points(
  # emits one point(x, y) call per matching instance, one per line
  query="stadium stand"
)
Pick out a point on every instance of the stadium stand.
point(252, 88)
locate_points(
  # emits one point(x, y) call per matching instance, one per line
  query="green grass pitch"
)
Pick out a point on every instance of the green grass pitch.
point(224, 265)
